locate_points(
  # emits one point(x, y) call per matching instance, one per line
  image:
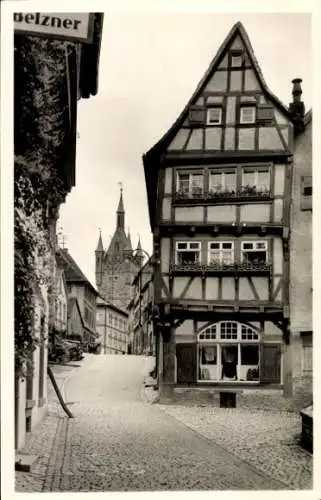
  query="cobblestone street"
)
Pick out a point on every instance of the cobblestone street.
point(118, 441)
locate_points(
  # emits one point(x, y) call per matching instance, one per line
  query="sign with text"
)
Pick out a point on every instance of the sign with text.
point(77, 27)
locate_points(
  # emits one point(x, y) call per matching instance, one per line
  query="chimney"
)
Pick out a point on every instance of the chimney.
point(297, 108)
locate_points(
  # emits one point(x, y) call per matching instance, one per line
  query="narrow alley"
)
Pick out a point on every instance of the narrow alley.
point(118, 441)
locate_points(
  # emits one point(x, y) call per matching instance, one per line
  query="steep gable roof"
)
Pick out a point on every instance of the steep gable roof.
point(150, 158)
point(72, 271)
point(238, 28)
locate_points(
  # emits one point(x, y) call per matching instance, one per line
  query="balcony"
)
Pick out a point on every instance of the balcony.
point(245, 193)
point(216, 269)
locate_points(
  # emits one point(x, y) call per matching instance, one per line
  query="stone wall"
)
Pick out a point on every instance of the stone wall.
point(255, 399)
point(301, 269)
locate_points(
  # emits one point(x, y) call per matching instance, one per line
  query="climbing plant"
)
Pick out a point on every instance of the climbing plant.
point(33, 254)
point(41, 144)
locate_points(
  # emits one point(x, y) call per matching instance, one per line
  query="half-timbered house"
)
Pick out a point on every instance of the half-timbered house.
point(219, 187)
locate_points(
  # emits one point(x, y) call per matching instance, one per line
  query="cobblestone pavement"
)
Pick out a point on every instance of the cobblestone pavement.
point(268, 440)
point(118, 441)
point(44, 440)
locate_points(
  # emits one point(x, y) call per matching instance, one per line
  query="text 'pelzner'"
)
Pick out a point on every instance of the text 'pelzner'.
point(45, 20)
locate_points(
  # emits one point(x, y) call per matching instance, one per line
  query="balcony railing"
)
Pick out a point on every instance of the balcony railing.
point(214, 268)
point(244, 193)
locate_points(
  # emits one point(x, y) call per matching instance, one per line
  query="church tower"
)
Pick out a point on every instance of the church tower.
point(99, 253)
point(116, 268)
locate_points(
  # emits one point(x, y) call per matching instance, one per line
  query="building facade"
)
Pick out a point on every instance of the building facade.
point(75, 322)
point(140, 312)
point(112, 327)
point(61, 301)
point(50, 76)
point(79, 286)
point(116, 267)
point(219, 195)
point(301, 266)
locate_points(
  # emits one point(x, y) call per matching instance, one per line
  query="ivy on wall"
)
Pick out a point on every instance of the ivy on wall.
point(41, 143)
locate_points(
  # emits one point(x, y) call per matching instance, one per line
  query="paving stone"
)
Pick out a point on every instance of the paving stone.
point(119, 441)
point(266, 439)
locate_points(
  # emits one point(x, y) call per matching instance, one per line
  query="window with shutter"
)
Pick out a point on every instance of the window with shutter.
point(186, 363)
point(197, 115)
point(270, 371)
point(265, 113)
point(306, 193)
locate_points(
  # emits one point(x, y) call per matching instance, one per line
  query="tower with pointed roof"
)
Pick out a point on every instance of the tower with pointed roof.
point(117, 266)
point(219, 197)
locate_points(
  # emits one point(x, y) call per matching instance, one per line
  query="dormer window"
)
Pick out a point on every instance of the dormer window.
point(214, 115)
point(236, 59)
point(247, 114)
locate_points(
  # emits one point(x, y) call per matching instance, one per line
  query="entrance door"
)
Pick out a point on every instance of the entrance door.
point(271, 363)
point(186, 363)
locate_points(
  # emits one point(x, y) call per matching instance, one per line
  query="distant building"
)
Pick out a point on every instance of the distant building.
point(61, 300)
point(79, 286)
point(112, 327)
point(76, 326)
point(140, 312)
point(116, 267)
point(300, 370)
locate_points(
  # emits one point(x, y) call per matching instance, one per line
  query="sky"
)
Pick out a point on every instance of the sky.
point(150, 64)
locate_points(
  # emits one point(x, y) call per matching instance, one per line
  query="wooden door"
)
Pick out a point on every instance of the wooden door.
point(270, 364)
point(186, 363)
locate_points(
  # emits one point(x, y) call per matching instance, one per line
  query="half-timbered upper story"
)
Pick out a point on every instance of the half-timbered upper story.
point(219, 190)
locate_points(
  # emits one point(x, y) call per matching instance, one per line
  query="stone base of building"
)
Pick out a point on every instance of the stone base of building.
point(252, 398)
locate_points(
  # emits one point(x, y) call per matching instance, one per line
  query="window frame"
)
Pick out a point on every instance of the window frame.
point(236, 54)
point(221, 251)
point(188, 249)
point(219, 343)
point(223, 174)
point(247, 106)
point(254, 249)
point(190, 182)
point(255, 170)
point(211, 108)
